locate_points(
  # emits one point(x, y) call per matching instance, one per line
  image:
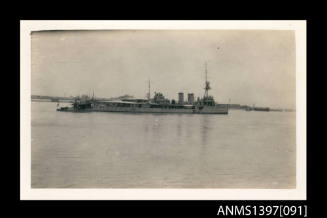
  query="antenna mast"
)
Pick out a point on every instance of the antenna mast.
point(206, 71)
point(149, 93)
point(207, 84)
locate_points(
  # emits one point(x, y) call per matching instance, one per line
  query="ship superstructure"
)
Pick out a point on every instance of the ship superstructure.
point(157, 104)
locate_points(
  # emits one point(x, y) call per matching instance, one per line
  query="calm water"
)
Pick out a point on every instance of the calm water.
point(117, 150)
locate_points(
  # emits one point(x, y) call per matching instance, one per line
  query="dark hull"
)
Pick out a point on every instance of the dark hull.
point(218, 109)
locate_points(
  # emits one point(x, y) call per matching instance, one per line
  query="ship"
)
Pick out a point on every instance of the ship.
point(157, 104)
point(253, 108)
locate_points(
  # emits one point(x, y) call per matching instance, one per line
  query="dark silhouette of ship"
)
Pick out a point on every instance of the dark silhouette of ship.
point(157, 104)
point(253, 108)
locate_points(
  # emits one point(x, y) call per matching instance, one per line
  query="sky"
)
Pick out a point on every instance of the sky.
point(244, 66)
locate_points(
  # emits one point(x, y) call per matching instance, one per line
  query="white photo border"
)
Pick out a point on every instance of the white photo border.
point(28, 193)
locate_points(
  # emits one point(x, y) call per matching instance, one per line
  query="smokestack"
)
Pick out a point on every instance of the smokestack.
point(180, 98)
point(190, 98)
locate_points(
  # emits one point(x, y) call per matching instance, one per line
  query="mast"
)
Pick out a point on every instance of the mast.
point(207, 84)
point(149, 93)
point(206, 71)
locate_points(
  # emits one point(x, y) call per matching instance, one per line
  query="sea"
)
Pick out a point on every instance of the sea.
point(244, 149)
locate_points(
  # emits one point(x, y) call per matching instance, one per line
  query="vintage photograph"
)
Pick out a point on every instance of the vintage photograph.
point(167, 109)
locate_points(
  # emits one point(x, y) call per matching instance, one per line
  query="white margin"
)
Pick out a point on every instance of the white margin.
point(27, 193)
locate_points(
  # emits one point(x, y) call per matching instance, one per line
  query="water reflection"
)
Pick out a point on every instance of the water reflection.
point(189, 129)
point(161, 150)
point(205, 123)
point(157, 128)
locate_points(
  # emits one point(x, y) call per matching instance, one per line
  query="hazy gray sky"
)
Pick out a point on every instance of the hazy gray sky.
point(246, 66)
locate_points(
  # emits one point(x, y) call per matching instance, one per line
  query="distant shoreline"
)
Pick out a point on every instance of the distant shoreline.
point(43, 98)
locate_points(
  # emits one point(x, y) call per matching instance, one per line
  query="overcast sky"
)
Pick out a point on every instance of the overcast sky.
point(246, 66)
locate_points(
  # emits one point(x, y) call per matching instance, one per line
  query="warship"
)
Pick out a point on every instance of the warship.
point(157, 104)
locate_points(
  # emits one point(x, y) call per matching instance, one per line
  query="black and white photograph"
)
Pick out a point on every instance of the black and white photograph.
point(134, 107)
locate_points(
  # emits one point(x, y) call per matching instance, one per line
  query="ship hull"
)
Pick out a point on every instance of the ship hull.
point(163, 110)
point(217, 109)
